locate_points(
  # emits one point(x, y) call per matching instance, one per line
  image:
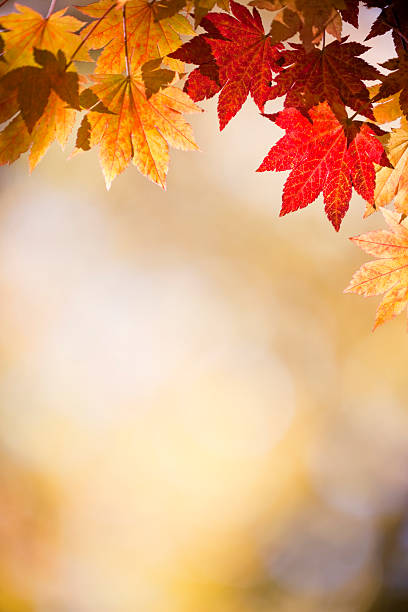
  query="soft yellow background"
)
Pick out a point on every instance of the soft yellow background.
point(194, 417)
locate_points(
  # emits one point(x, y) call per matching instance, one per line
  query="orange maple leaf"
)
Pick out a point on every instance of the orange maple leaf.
point(34, 85)
point(387, 275)
point(146, 38)
point(27, 29)
point(138, 129)
point(40, 103)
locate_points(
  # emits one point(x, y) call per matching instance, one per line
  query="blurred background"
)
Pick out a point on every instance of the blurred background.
point(194, 418)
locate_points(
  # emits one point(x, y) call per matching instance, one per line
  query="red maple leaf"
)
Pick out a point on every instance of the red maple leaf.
point(204, 81)
point(326, 156)
point(235, 57)
point(334, 73)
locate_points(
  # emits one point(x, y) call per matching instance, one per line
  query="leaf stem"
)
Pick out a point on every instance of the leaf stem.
point(51, 9)
point(125, 40)
point(91, 31)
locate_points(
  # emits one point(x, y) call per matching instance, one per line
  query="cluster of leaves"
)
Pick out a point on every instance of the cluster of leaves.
point(132, 108)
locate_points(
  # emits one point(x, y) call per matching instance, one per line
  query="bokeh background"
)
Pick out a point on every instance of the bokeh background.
point(194, 418)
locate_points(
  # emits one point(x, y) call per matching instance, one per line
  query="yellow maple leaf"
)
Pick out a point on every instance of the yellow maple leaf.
point(27, 29)
point(387, 275)
point(55, 119)
point(141, 129)
point(146, 38)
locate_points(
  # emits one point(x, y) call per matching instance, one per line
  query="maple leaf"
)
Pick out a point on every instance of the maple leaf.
point(324, 156)
point(28, 29)
point(140, 129)
point(37, 98)
point(334, 73)
point(244, 60)
point(387, 275)
point(34, 85)
point(147, 38)
point(309, 18)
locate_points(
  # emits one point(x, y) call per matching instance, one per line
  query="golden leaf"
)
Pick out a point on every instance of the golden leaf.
point(141, 128)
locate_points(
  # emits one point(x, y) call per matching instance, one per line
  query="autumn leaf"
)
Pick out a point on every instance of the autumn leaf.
point(42, 102)
point(324, 156)
point(244, 55)
point(335, 74)
point(27, 29)
point(147, 38)
point(387, 275)
point(140, 130)
point(34, 85)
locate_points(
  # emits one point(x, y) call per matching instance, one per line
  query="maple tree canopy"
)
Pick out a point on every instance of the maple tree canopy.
point(148, 62)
